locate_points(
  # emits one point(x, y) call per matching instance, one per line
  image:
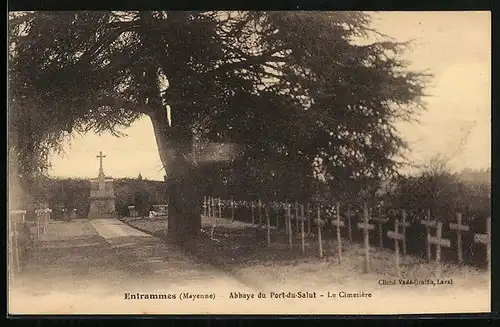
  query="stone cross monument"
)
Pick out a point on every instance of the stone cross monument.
point(102, 194)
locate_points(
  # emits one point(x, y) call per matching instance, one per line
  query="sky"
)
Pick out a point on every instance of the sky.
point(454, 46)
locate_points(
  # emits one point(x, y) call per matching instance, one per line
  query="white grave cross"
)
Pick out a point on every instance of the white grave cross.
point(366, 227)
point(338, 224)
point(459, 228)
point(486, 240)
point(439, 241)
point(396, 236)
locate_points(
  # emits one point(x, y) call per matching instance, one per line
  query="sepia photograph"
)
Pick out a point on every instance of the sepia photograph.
point(249, 162)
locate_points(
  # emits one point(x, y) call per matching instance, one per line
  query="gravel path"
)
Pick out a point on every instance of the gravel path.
point(98, 266)
point(87, 267)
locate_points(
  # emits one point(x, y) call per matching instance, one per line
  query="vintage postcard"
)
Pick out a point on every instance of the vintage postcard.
point(249, 162)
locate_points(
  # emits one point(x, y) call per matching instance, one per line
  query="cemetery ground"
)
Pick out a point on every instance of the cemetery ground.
point(86, 267)
point(240, 249)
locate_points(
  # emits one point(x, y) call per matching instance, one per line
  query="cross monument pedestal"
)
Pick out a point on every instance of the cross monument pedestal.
point(102, 195)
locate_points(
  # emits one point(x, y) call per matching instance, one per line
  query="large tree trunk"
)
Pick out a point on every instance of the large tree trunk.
point(174, 142)
point(181, 179)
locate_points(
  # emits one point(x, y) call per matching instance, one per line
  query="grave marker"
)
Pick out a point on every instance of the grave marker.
point(338, 224)
point(308, 218)
point(268, 226)
point(320, 223)
point(220, 209)
point(161, 210)
point(40, 221)
point(296, 217)
point(209, 206)
point(366, 227)
point(428, 223)
point(209, 210)
point(253, 213)
point(232, 209)
point(131, 211)
point(396, 236)
point(439, 241)
point(38, 215)
point(260, 213)
point(285, 206)
point(404, 224)
point(380, 224)
point(486, 240)
point(46, 219)
point(459, 228)
point(214, 211)
point(349, 214)
point(276, 208)
point(204, 205)
point(302, 219)
point(289, 219)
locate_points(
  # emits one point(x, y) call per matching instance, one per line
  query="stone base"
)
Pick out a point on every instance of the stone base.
point(102, 208)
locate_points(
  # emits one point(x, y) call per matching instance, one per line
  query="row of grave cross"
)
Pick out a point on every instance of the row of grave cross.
point(399, 236)
point(301, 215)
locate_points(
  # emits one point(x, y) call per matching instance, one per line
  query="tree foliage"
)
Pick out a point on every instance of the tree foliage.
point(302, 95)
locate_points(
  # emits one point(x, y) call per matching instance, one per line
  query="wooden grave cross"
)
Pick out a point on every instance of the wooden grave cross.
point(439, 241)
point(266, 211)
point(428, 223)
point(320, 223)
point(214, 208)
point(486, 240)
point(302, 219)
point(48, 211)
point(366, 227)
point(396, 236)
point(285, 215)
point(289, 225)
point(296, 216)
point(208, 206)
point(220, 209)
point(252, 205)
point(276, 211)
point(380, 220)
point(286, 209)
point(338, 224)
point(403, 224)
point(35, 224)
point(309, 219)
point(260, 213)
point(459, 228)
point(232, 209)
point(45, 220)
point(204, 205)
point(38, 215)
point(349, 214)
